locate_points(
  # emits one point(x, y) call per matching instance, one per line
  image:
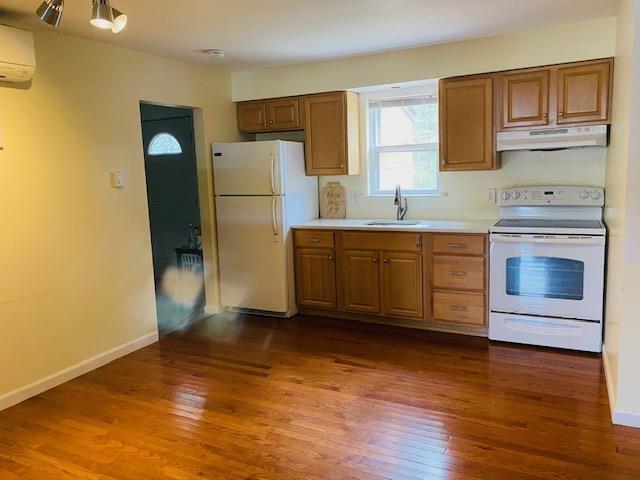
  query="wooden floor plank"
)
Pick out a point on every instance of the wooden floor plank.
point(246, 397)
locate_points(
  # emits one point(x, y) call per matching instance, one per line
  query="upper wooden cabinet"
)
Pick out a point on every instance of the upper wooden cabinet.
point(467, 136)
point(525, 98)
point(331, 134)
point(567, 94)
point(252, 116)
point(583, 92)
point(284, 114)
point(274, 115)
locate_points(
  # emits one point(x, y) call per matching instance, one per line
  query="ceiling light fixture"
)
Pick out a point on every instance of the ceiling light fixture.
point(51, 12)
point(102, 16)
point(119, 21)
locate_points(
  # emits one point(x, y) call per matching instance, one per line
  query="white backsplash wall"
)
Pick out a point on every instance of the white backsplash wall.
point(463, 194)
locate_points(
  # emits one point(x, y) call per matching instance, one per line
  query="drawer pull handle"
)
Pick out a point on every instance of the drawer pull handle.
point(458, 308)
point(458, 245)
point(313, 240)
point(458, 274)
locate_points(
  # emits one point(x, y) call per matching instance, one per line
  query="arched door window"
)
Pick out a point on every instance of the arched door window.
point(164, 144)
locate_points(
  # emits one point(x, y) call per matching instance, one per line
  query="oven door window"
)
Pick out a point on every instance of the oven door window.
point(545, 277)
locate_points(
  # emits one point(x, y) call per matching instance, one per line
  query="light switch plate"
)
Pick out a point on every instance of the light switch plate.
point(118, 179)
point(491, 195)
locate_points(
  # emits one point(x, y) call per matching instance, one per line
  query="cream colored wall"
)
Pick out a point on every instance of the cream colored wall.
point(557, 44)
point(616, 186)
point(463, 192)
point(76, 254)
point(623, 219)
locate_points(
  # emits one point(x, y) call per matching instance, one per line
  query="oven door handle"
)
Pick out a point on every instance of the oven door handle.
point(547, 239)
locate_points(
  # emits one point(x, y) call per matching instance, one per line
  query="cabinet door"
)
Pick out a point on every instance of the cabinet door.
point(252, 116)
point(466, 124)
point(316, 278)
point(361, 281)
point(326, 149)
point(583, 92)
point(525, 99)
point(283, 114)
point(402, 284)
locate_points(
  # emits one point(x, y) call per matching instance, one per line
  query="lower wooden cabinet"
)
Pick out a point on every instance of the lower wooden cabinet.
point(360, 281)
point(316, 278)
point(432, 278)
point(459, 279)
point(402, 284)
point(459, 307)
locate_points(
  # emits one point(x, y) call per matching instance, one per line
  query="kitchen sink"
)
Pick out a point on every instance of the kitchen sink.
point(394, 222)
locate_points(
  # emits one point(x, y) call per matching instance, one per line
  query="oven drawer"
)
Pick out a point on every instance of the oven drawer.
point(547, 332)
point(459, 307)
point(458, 273)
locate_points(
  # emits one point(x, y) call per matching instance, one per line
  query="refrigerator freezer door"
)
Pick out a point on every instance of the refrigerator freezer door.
point(253, 253)
point(248, 168)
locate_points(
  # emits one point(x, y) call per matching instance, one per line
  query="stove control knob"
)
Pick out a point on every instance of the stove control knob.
point(516, 194)
point(584, 194)
point(505, 195)
point(596, 195)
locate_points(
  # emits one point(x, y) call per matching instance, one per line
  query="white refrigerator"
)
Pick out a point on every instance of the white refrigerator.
point(261, 190)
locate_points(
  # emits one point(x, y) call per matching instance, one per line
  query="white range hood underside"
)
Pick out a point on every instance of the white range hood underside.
point(553, 138)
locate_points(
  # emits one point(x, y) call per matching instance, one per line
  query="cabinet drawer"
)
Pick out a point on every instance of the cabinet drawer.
point(313, 238)
point(458, 273)
point(458, 307)
point(404, 242)
point(459, 244)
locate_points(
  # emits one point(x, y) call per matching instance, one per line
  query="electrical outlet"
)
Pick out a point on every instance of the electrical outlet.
point(353, 197)
point(491, 195)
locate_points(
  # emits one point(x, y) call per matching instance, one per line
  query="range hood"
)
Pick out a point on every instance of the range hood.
point(552, 138)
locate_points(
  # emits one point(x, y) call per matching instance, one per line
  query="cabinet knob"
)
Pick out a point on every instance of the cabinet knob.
point(330, 257)
point(561, 114)
point(545, 115)
point(386, 260)
point(271, 121)
point(374, 260)
point(342, 165)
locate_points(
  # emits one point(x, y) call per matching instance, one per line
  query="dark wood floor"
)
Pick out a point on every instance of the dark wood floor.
point(256, 398)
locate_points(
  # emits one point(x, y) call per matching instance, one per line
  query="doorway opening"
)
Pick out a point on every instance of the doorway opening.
point(171, 172)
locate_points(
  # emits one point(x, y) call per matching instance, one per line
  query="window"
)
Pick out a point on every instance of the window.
point(164, 144)
point(403, 145)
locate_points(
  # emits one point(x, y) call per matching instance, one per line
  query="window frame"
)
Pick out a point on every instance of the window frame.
point(373, 133)
point(163, 134)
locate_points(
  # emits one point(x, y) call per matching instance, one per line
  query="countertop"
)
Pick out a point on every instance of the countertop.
point(453, 226)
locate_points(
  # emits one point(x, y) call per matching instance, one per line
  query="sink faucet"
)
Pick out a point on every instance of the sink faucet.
point(398, 202)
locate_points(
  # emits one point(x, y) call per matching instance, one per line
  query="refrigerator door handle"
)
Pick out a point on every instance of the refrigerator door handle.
point(272, 174)
point(274, 220)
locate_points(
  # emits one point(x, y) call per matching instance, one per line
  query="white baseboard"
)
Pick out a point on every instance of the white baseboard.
point(23, 393)
point(618, 417)
point(213, 309)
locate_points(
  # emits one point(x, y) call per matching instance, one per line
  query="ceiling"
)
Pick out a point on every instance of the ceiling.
point(259, 33)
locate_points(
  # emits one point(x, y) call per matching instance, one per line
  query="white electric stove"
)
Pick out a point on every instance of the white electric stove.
point(547, 267)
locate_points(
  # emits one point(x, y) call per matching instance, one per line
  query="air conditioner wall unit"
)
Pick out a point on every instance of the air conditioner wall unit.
point(17, 55)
